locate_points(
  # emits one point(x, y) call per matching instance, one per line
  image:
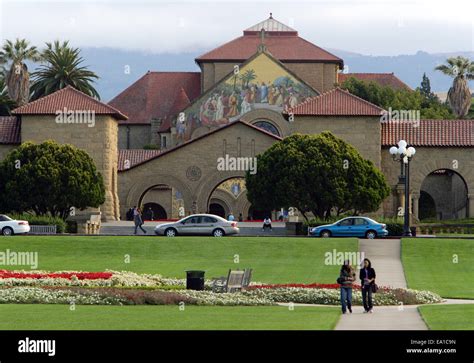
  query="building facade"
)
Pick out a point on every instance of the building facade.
point(251, 92)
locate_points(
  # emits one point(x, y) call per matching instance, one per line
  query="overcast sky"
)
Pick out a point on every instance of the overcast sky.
point(377, 27)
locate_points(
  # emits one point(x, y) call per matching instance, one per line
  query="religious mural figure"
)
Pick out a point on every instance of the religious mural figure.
point(264, 83)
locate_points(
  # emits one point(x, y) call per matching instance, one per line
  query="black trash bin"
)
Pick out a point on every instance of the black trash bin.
point(195, 280)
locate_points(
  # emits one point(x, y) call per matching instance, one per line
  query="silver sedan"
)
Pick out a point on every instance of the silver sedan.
point(198, 224)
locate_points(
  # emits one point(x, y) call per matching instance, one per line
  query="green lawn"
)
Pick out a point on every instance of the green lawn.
point(57, 317)
point(430, 265)
point(448, 317)
point(274, 260)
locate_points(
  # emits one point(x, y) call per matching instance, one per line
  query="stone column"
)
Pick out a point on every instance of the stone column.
point(415, 206)
point(400, 189)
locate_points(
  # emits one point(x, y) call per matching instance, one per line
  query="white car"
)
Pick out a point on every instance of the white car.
point(10, 226)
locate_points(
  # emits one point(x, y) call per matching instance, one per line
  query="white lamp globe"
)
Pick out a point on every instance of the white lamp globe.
point(411, 151)
point(402, 143)
point(393, 150)
point(402, 150)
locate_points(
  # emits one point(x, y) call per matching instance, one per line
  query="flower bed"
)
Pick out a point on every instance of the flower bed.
point(331, 296)
point(114, 287)
point(303, 286)
point(86, 279)
point(4, 274)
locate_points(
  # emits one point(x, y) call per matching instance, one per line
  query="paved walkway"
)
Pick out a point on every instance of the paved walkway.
point(385, 257)
point(126, 228)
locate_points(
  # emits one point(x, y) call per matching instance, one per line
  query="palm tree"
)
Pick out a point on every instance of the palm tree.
point(63, 68)
point(6, 103)
point(17, 77)
point(459, 95)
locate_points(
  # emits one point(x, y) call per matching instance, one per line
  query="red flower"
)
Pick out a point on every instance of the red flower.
point(65, 275)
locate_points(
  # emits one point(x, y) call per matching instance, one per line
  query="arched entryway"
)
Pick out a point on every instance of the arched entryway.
point(165, 201)
point(443, 195)
point(154, 212)
point(217, 208)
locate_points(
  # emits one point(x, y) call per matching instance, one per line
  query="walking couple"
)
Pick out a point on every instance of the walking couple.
point(346, 279)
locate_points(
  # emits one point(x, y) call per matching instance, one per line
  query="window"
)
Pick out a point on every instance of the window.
point(163, 142)
point(192, 220)
point(360, 222)
point(4, 218)
point(267, 126)
point(208, 220)
point(346, 222)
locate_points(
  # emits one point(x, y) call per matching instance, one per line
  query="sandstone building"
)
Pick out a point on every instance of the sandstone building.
point(158, 143)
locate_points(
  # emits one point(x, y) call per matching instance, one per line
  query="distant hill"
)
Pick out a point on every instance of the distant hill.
point(112, 66)
point(409, 68)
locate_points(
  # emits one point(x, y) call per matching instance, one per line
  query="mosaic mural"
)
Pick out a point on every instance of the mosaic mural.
point(260, 83)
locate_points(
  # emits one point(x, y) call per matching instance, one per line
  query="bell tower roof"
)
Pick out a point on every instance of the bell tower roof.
point(270, 25)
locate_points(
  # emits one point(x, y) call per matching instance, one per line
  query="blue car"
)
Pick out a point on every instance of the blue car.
point(351, 227)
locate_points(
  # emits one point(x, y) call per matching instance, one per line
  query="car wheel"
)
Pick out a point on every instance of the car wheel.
point(218, 233)
point(325, 233)
point(7, 231)
point(371, 235)
point(170, 232)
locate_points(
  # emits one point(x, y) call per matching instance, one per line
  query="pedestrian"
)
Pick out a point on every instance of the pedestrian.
point(231, 217)
point(151, 215)
point(367, 279)
point(346, 277)
point(138, 220)
point(267, 223)
point(241, 217)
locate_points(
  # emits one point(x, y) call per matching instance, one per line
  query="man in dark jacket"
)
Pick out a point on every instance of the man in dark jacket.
point(367, 279)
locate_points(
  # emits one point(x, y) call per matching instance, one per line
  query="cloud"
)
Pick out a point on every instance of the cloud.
point(369, 27)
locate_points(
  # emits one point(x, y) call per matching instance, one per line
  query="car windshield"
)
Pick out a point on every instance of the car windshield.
point(4, 218)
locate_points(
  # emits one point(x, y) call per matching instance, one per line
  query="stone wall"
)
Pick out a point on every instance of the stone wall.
point(192, 168)
point(100, 142)
point(427, 160)
point(361, 132)
point(139, 136)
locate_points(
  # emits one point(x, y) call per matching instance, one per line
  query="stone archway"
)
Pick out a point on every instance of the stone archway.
point(139, 190)
point(209, 184)
point(421, 172)
point(444, 191)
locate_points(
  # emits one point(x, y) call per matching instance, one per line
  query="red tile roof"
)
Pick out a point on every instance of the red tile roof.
point(154, 95)
point(453, 133)
point(336, 102)
point(128, 158)
point(383, 79)
point(9, 130)
point(146, 157)
point(180, 103)
point(71, 99)
point(283, 46)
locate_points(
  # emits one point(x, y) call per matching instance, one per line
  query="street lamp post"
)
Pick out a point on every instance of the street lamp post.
point(404, 155)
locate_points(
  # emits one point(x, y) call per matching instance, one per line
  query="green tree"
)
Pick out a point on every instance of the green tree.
point(49, 179)
point(63, 68)
point(321, 174)
point(397, 99)
point(17, 76)
point(6, 103)
point(459, 95)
